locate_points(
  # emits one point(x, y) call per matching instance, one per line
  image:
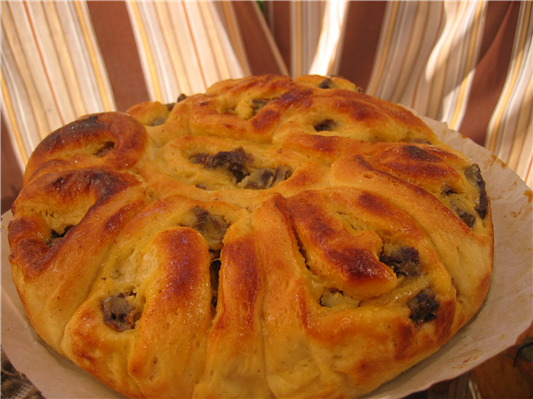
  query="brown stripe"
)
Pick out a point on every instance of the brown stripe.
point(280, 25)
point(491, 71)
point(115, 37)
point(363, 27)
point(260, 56)
point(11, 173)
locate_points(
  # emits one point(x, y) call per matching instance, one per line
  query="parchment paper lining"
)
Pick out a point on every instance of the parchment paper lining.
point(506, 313)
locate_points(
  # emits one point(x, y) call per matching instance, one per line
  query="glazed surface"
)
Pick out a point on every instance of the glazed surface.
point(268, 238)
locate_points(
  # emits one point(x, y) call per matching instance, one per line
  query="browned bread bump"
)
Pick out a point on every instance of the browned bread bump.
point(268, 238)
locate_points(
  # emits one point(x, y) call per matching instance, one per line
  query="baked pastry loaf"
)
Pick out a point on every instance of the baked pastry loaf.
point(268, 238)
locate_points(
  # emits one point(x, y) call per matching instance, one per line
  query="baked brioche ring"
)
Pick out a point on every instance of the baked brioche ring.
point(268, 238)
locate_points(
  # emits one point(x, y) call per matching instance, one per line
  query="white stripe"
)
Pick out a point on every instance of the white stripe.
point(52, 71)
point(327, 56)
point(190, 48)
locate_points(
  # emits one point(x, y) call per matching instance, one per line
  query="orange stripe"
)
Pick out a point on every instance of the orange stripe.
point(223, 65)
point(505, 100)
point(36, 40)
point(93, 57)
point(8, 106)
point(65, 58)
point(210, 42)
point(162, 15)
point(147, 51)
point(234, 35)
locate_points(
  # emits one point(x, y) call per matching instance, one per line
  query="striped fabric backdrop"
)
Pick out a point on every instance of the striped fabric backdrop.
point(467, 63)
point(52, 71)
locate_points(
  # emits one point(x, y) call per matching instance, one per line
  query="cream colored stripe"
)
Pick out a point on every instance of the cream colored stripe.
point(87, 62)
point(227, 46)
point(22, 154)
point(409, 32)
point(202, 43)
point(15, 14)
point(145, 52)
point(296, 39)
point(496, 133)
point(523, 126)
point(153, 14)
point(64, 58)
point(435, 21)
point(216, 39)
point(187, 50)
point(426, 56)
point(195, 46)
point(509, 134)
point(47, 77)
point(102, 83)
point(326, 57)
point(411, 51)
point(472, 50)
point(47, 89)
point(188, 46)
point(235, 37)
point(306, 32)
point(384, 47)
point(172, 50)
point(455, 109)
point(438, 65)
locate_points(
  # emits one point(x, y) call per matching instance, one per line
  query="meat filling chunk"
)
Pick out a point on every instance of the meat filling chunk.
point(404, 261)
point(424, 306)
point(119, 312)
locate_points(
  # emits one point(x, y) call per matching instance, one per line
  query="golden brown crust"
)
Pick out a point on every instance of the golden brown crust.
point(108, 139)
point(268, 238)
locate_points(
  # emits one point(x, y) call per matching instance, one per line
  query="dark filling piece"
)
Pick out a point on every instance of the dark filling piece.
point(447, 190)
point(473, 175)
point(418, 154)
point(102, 152)
point(158, 121)
point(267, 177)
point(404, 261)
point(55, 236)
point(325, 125)
point(119, 313)
point(326, 84)
point(421, 141)
point(258, 103)
point(214, 273)
point(424, 306)
point(212, 227)
point(466, 217)
point(234, 161)
point(170, 106)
